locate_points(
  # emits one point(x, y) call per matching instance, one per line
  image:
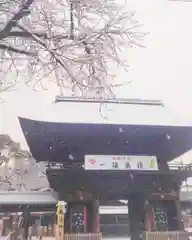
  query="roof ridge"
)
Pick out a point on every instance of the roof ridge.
point(110, 100)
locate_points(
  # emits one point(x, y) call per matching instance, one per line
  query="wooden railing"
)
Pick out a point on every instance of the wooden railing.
point(83, 236)
point(71, 236)
point(166, 235)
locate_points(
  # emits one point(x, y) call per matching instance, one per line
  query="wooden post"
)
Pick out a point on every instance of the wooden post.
point(136, 210)
point(26, 223)
point(179, 215)
point(95, 217)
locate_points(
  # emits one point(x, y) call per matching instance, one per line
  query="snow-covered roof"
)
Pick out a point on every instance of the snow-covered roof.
point(75, 126)
point(28, 197)
point(129, 111)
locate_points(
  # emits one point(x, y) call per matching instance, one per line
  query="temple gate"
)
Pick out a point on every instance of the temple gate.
point(112, 154)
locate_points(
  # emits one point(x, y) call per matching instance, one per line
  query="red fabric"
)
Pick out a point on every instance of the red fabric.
point(152, 220)
point(85, 219)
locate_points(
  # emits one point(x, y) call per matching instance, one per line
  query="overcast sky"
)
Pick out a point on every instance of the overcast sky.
point(161, 70)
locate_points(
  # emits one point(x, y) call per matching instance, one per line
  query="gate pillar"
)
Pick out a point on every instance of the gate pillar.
point(136, 215)
point(83, 217)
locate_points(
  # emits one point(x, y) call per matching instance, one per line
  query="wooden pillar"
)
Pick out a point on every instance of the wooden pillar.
point(93, 212)
point(179, 215)
point(76, 217)
point(67, 219)
point(136, 214)
point(92, 216)
point(26, 224)
point(97, 217)
point(70, 213)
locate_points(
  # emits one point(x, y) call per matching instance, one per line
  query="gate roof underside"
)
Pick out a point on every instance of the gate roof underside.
point(111, 184)
point(43, 199)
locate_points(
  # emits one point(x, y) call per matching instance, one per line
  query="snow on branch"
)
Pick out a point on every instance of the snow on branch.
point(73, 42)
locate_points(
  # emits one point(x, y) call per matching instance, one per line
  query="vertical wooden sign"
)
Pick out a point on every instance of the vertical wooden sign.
point(60, 220)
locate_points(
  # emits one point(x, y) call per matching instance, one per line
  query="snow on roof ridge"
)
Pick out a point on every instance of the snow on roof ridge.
point(110, 100)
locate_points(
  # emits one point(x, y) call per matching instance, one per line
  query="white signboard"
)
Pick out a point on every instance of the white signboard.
point(116, 162)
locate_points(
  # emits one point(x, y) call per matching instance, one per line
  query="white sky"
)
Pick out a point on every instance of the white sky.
point(162, 70)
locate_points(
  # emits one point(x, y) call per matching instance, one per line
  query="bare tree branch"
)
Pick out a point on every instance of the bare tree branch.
point(24, 10)
point(18, 170)
point(38, 34)
point(15, 50)
point(26, 35)
point(76, 43)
